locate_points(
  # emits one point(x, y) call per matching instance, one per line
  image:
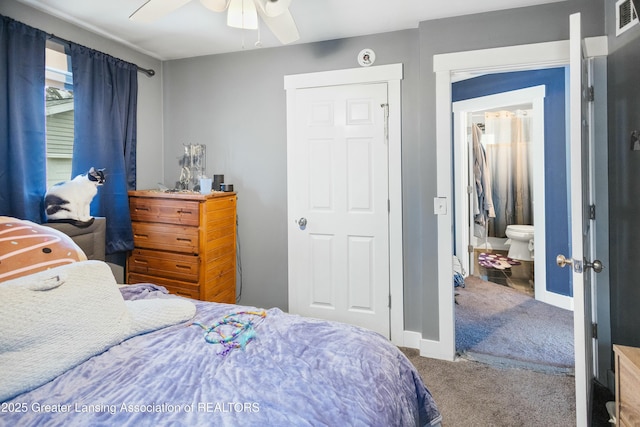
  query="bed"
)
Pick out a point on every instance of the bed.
point(78, 349)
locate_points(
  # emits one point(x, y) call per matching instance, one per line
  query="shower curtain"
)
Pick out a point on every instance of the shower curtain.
point(507, 137)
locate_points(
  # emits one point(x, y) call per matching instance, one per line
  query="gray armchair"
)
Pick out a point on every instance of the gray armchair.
point(90, 239)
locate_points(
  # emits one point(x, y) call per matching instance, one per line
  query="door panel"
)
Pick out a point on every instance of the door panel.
point(579, 166)
point(339, 235)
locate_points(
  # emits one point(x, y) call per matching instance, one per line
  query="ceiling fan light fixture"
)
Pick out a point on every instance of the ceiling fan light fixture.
point(276, 7)
point(242, 14)
point(215, 5)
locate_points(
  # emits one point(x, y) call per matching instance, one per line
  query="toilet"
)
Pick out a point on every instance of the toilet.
point(520, 242)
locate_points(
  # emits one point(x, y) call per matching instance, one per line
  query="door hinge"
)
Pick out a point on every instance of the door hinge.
point(592, 211)
point(469, 189)
point(591, 94)
point(470, 248)
point(386, 121)
point(594, 330)
point(389, 301)
point(388, 205)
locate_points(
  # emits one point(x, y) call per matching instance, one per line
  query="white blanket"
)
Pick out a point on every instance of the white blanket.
point(54, 320)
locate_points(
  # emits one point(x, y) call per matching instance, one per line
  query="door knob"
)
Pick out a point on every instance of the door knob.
point(302, 223)
point(563, 261)
point(596, 265)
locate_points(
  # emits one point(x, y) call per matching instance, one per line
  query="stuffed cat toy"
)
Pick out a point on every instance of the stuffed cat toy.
point(69, 201)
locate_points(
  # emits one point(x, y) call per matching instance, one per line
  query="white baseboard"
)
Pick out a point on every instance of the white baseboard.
point(435, 350)
point(428, 348)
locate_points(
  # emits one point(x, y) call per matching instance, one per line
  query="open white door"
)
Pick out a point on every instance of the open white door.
point(581, 222)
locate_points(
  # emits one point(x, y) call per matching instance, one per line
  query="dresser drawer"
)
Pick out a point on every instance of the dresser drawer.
point(185, 289)
point(173, 238)
point(164, 264)
point(168, 211)
point(186, 242)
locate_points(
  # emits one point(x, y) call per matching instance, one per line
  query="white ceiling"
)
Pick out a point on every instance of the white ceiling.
point(194, 30)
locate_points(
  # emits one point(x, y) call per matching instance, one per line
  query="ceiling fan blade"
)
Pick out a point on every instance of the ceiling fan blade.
point(156, 9)
point(282, 26)
point(276, 7)
point(215, 5)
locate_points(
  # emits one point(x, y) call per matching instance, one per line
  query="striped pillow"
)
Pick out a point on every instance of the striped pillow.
point(27, 247)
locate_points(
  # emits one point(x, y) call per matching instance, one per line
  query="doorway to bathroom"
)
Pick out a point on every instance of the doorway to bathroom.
point(533, 103)
point(499, 164)
point(499, 142)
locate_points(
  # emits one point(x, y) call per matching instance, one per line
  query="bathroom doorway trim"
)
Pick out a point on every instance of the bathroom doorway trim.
point(447, 67)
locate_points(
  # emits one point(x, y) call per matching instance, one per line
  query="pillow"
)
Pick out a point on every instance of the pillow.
point(27, 247)
point(54, 320)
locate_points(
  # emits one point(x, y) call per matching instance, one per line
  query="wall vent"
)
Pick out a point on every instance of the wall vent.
point(626, 16)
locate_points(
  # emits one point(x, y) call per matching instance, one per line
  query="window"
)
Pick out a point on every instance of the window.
point(59, 113)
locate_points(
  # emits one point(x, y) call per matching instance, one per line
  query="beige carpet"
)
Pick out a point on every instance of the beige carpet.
point(472, 394)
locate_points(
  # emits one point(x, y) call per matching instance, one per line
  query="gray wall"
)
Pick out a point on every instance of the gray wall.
point(496, 29)
point(623, 66)
point(235, 104)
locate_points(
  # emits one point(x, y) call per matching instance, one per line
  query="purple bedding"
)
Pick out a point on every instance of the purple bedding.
point(295, 372)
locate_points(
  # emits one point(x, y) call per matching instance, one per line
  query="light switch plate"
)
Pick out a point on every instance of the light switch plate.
point(440, 205)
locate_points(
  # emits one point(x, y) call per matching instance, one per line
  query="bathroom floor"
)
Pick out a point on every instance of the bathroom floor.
point(519, 276)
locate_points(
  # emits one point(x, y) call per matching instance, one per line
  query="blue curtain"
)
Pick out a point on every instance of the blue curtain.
point(23, 178)
point(106, 94)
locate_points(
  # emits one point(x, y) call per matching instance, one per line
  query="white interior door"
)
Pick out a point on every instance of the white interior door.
point(339, 214)
point(581, 232)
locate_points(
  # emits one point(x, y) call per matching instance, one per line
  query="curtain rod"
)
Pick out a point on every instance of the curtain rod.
point(148, 71)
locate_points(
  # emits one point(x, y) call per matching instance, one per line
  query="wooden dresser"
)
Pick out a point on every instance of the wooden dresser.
point(185, 242)
point(627, 361)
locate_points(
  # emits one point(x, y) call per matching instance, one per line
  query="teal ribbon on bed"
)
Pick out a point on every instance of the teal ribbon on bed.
point(243, 331)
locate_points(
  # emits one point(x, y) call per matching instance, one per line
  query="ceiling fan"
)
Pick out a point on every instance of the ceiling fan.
point(240, 14)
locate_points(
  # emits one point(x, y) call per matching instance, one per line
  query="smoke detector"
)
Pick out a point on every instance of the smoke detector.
point(626, 16)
